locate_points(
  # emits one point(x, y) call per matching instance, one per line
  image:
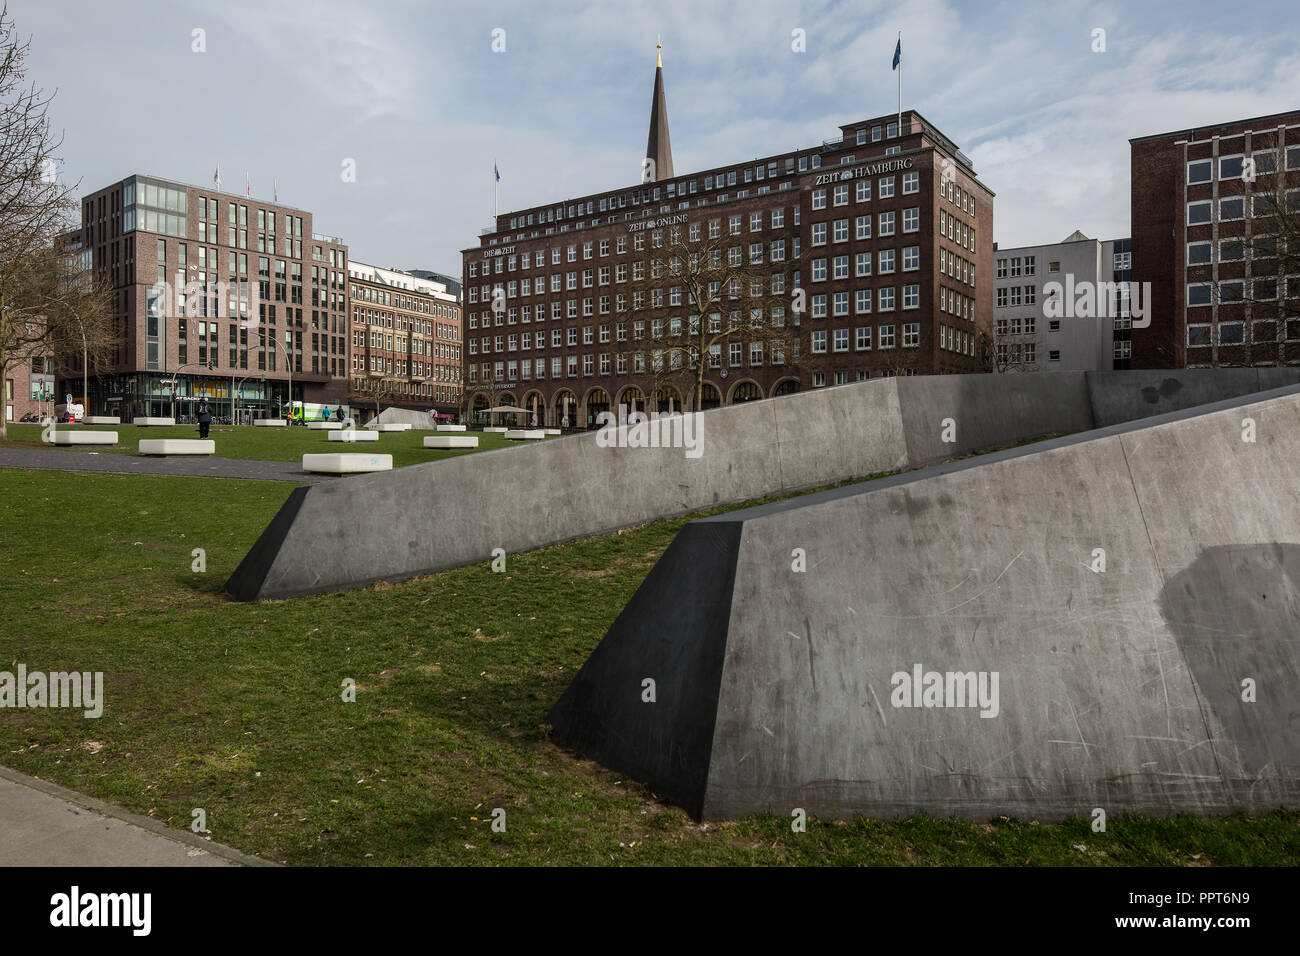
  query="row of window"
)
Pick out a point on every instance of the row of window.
point(1201, 252)
point(839, 194)
point(886, 224)
point(1233, 208)
point(1235, 166)
point(366, 293)
point(1233, 291)
point(439, 393)
point(1234, 333)
point(1012, 296)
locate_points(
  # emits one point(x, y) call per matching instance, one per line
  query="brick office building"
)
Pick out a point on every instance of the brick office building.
point(887, 231)
point(406, 333)
point(238, 256)
point(1193, 218)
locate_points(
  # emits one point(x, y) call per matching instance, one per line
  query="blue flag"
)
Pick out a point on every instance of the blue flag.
point(898, 53)
point(497, 171)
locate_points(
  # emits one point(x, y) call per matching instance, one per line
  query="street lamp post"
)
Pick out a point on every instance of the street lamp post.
point(288, 367)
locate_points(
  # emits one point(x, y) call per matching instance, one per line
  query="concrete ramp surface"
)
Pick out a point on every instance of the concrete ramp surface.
point(1108, 620)
point(446, 514)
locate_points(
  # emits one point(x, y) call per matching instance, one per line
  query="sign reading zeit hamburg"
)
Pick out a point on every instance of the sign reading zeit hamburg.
point(870, 169)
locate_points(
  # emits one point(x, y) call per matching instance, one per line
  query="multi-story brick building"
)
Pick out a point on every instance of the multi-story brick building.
point(216, 294)
point(29, 388)
point(887, 232)
point(405, 342)
point(1033, 329)
point(1200, 237)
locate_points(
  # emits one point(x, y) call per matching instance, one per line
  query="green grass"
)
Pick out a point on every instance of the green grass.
point(259, 444)
point(236, 708)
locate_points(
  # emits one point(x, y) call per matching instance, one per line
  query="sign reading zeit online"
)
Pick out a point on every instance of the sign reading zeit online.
point(870, 169)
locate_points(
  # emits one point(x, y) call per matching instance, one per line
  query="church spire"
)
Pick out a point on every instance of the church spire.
point(658, 148)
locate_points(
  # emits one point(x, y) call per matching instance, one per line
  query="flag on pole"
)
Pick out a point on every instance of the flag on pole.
point(248, 186)
point(216, 177)
point(275, 189)
point(898, 54)
point(496, 171)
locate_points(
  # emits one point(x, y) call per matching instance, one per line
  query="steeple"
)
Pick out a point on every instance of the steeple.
point(658, 148)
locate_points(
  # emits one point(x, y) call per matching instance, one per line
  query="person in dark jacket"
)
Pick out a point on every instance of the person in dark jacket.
point(205, 417)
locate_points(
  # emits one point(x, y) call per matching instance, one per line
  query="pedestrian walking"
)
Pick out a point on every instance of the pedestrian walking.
point(205, 417)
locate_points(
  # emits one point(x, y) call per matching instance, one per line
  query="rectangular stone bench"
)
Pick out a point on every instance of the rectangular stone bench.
point(341, 464)
point(177, 446)
point(270, 422)
point(352, 436)
point(451, 428)
point(496, 429)
point(525, 434)
point(101, 420)
point(64, 437)
point(324, 426)
point(150, 421)
point(552, 431)
point(451, 441)
point(392, 427)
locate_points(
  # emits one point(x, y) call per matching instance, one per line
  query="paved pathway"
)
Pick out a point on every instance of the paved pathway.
point(54, 459)
point(46, 825)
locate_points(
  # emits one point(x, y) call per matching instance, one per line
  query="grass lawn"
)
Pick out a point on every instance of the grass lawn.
point(236, 708)
point(260, 444)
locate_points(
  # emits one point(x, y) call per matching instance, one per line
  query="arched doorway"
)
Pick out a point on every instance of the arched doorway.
point(711, 398)
point(597, 401)
point(564, 409)
point(632, 399)
point(480, 407)
point(508, 419)
point(787, 386)
point(667, 400)
point(745, 391)
point(536, 405)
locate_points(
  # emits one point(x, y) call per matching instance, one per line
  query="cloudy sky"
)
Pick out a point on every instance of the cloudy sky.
point(414, 94)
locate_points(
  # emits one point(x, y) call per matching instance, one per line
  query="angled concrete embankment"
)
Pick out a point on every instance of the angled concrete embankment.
point(446, 514)
point(1122, 584)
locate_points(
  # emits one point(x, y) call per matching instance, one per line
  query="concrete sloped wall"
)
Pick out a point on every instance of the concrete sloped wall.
point(1118, 688)
point(403, 416)
point(446, 514)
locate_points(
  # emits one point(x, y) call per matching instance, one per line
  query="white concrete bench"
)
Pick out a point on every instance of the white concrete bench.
point(451, 441)
point(552, 431)
point(148, 421)
point(352, 436)
point(525, 434)
point(270, 422)
point(391, 427)
point(340, 464)
point(451, 428)
point(177, 446)
point(64, 437)
point(325, 426)
point(496, 429)
point(101, 420)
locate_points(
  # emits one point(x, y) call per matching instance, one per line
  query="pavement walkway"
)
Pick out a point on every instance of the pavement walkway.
point(47, 825)
point(54, 459)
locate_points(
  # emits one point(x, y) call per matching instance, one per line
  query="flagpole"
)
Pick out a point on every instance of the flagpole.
point(496, 189)
point(900, 82)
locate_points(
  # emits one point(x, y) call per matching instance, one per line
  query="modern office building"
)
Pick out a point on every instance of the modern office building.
point(886, 230)
point(405, 342)
point(451, 282)
point(1044, 319)
point(217, 295)
point(1202, 229)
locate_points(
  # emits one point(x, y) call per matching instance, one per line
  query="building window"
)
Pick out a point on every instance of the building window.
point(1199, 171)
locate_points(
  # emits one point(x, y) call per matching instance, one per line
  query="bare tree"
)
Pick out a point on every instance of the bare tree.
point(49, 304)
point(371, 388)
point(717, 293)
